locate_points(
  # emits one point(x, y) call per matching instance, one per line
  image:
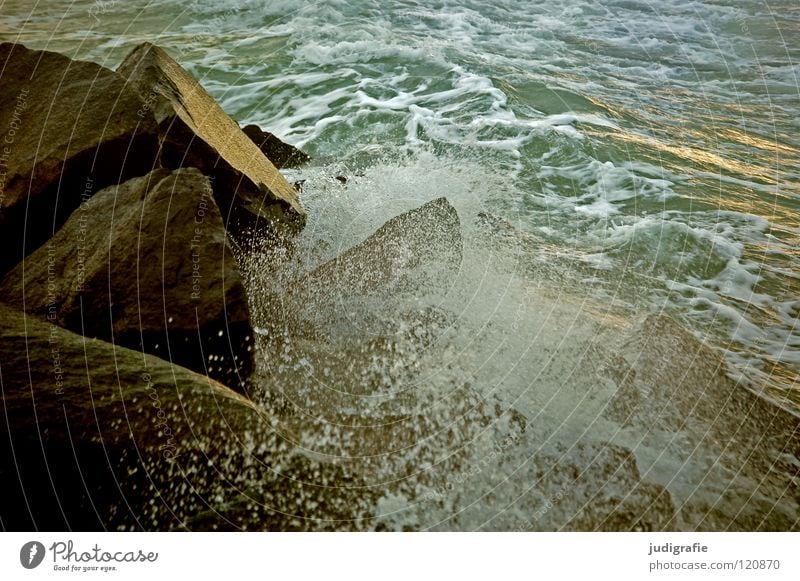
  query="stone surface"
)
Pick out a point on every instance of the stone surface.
point(251, 193)
point(97, 437)
point(67, 129)
point(741, 451)
point(281, 154)
point(443, 455)
point(147, 265)
point(415, 253)
point(728, 456)
point(428, 235)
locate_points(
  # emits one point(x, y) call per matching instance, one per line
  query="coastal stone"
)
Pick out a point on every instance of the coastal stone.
point(675, 384)
point(146, 264)
point(195, 132)
point(353, 378)
point(281, 154)
point(67, 129)
point(614, 496)
point(98, 437)
point(418, 251)
point(428, 235)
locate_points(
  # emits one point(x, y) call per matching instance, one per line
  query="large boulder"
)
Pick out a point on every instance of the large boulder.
point(196, 132)
point(447, 457)
point(416, 253)
point(280, 153)
point(97, 437)
point(739, 453)
point(146, 264)
point(85, 420)
point(67, 129)
point(427, 237)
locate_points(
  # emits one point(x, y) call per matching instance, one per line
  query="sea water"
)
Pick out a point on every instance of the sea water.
point(608, 159)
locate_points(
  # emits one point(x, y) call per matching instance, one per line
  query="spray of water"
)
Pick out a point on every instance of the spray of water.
point(473, 378)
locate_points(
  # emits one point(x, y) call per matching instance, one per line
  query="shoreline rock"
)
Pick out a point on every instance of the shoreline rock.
point(251, 193)
point(350, 377)
point(669, 381)
point(98, 437)
point(418, 249)
point(146, 265)
point(429, 234)
point(70, 128)
point(280, 153)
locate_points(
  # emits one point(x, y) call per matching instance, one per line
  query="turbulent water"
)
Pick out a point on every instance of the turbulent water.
point(608, 160)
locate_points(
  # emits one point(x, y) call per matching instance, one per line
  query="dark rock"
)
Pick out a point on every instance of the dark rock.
point(702, 390)
point(147, 265)
point(345, 179)
point(451, 453)
point(67, 129)
point(419, 251)
point(430, 234)
point(97, 437)
point(281, 154)
point(251, 193)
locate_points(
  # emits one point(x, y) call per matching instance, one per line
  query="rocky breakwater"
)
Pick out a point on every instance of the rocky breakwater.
point(366, 409)
point(194, 131)
point(67, 129)
point(118, 255)
point(99, 437)
point(146, 264)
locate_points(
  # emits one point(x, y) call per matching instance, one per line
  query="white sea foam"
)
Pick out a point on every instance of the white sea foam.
point(605, 158)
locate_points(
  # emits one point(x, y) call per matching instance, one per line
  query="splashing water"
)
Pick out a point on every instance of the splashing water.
point(610, 162)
